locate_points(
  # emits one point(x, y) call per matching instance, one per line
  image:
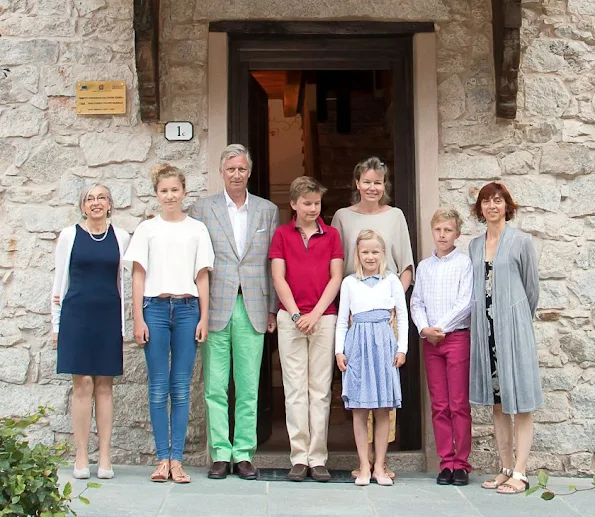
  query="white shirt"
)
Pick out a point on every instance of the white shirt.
point(172, 254)
point(239, 221)
point(442, 292)
point(358, 297)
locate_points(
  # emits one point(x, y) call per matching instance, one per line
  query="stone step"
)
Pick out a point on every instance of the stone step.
point(406, 461)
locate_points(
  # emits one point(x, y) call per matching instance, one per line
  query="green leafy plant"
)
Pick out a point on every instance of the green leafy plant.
point(29, 474)
point(548, 494)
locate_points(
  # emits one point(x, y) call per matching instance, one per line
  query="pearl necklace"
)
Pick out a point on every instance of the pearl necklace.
point(93, 237)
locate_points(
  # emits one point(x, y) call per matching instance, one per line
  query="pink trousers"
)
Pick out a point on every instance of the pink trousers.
point(447, 372)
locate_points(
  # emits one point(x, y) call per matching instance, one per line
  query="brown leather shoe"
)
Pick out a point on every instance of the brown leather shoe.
point(219, 470)
point(320, 473)
point(245, 470)
point(298, 472)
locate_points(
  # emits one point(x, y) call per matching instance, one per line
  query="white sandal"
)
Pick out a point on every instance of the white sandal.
point(492, 484)
point(508, 489)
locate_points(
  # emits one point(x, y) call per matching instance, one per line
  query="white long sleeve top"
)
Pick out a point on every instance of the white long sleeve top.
point(442, 293)
point(62, 270)
point(358, 297)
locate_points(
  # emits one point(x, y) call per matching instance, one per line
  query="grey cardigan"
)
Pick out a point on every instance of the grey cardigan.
point(515, 292)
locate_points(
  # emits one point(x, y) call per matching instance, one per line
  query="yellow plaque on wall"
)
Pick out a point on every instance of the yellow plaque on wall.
point(101, 97)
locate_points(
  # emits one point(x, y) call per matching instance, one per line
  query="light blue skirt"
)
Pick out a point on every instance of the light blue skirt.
point(371, 380)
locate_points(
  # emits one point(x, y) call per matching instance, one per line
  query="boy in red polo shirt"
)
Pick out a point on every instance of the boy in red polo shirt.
point(307, 264)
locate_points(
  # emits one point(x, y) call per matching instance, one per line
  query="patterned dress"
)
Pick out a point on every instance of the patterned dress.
point(489, 279)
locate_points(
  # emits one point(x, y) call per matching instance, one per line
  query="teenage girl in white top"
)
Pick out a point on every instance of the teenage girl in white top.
point(172, 255)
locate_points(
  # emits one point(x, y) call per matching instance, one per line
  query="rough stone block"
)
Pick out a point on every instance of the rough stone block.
point(47, 219)
point(462, 165)
point(546, 96)
point(71, 187)
point(53, 7)
point(566, 159)
point(89, 52)
point(105, 148)
point(451, 98)
point(47, 160)
point(518, 163)
point(85, 7)
point(583, 401)
point(16, 248)
point(28, 27)
point(557, 55)
point(133, 440)
point(477, 134)
point(536, 192)
point(581, 7)
point(64, 119)
point(557, 259)
point(582, 463)
point(7, 155)
point(582, 284)
point(187, 52)
point(14, 364)
point(38, 51)
point(581, 196)
point(23, 400)
point(564, 438)
point(121, 194)
point(47, 374)
point(539, 460)
point(24, 290)
point(107, 28)
point(131, 404)
point(556, 408)
point(560, 379)
point(23, 121)
point(184, 30)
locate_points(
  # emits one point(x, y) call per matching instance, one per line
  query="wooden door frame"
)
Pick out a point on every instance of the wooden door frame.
point(378, 46)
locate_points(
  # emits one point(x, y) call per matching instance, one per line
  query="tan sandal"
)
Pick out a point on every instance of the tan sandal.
point(508, 489)
point(161, 473)
point(178, 475)
point(492, 484)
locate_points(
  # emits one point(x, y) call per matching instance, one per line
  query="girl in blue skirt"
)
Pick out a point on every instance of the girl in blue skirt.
point(368, 353)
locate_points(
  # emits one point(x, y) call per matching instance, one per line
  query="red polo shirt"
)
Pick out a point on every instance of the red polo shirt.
point(308, 269)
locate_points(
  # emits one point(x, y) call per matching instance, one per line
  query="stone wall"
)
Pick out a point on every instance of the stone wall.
point(47, 153)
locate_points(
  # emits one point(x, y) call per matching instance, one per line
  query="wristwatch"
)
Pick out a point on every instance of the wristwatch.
point(295, 317)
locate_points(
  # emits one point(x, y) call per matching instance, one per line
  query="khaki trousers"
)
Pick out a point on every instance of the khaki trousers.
point(307, 363)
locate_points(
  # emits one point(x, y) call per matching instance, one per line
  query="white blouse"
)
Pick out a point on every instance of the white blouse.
point(62, 270)
point(358, 297)
point(172, 254)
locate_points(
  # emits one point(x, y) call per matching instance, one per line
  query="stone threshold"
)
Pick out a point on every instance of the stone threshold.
point(410, 461)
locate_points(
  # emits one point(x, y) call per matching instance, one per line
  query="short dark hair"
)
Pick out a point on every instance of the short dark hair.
point(489, 191)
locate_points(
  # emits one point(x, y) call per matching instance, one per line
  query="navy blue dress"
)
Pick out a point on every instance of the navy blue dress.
point(90, 336)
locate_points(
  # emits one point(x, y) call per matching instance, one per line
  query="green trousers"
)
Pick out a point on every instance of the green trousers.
point(239, 342)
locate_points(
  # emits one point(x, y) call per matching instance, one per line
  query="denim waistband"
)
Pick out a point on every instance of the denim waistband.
point(169, 299)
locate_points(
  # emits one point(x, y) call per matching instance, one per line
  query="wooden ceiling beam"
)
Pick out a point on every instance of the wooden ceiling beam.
point(291, 92)
point(506, 24)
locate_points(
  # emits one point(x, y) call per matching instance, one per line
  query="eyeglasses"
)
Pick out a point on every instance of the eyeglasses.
point(100, 199)
point(231, 170)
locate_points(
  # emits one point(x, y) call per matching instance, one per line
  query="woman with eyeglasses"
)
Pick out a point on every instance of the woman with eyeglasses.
point(88, 320)
point(370, 211)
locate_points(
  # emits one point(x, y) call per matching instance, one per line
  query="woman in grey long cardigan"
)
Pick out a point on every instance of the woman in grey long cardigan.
point(504, 367)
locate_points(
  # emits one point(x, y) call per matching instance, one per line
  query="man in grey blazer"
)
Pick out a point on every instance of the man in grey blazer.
point(243, 306)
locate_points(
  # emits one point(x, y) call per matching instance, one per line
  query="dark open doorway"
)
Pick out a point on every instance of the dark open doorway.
point(354, 99)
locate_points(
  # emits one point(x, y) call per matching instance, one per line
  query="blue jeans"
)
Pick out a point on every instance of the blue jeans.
point(172, 326)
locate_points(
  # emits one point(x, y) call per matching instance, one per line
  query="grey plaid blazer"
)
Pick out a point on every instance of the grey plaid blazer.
point(251, 271)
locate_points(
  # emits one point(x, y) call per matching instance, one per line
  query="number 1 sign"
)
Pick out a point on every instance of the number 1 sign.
point(178, 131)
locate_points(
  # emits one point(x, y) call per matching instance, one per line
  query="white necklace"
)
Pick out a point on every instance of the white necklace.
point(93, 237)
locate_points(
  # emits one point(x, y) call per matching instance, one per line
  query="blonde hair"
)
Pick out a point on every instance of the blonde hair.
point(371, 164)
point(165, 170)
point(447, 214)
point(305, 185)
point(369, 235)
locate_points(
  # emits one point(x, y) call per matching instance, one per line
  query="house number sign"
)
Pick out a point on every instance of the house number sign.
point(179, 131)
